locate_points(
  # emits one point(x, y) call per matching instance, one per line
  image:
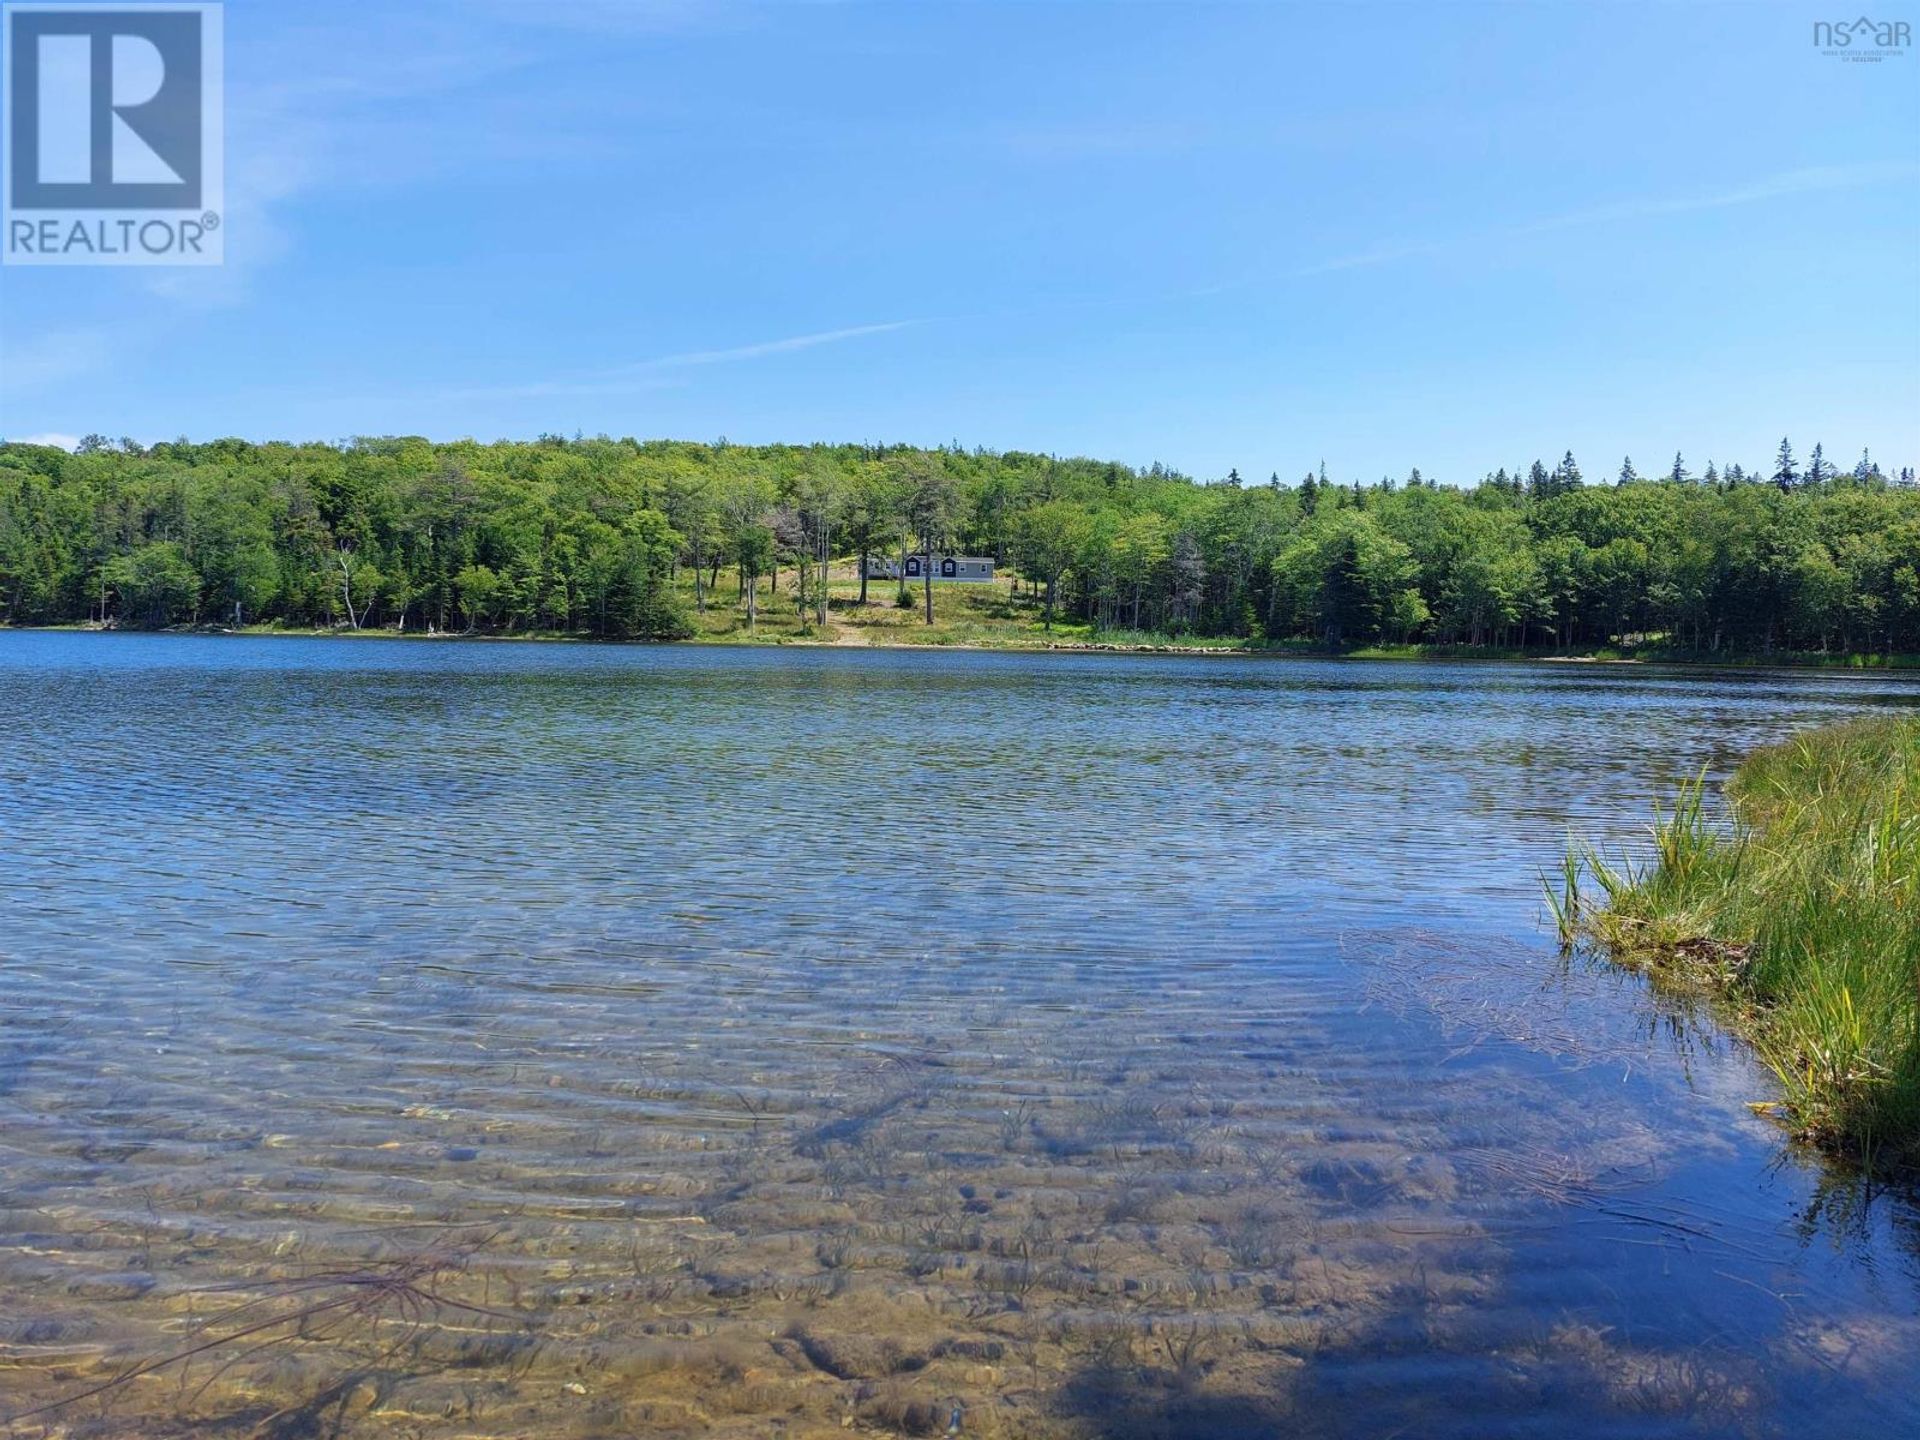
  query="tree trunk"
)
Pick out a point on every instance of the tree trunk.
point(826, 560)
point(926, 571)
point(346, 588)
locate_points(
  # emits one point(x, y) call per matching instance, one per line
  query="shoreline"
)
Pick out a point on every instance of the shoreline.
point(1852, 663)
point(1787, 912)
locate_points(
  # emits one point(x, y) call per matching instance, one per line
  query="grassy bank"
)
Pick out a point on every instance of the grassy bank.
point(1800, 911)
point(1006, 616)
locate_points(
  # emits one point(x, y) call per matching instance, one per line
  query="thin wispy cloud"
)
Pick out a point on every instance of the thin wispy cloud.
point(657, 373)
point(1360, 260)
point(774, 347)
point(287, 138)
point(327, 108)
point(614, 18)
point(55, 355)
point(654, 374)
point(1785, 185)
point(1773, 187)
point(1121, 140)
point(551, 389)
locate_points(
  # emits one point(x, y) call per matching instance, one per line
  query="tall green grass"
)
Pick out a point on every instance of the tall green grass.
point(1801, 907)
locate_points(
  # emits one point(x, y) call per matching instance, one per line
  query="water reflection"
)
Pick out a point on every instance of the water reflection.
point(747, 1043)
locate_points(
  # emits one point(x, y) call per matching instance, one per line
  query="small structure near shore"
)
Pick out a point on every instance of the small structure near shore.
point(976, 569)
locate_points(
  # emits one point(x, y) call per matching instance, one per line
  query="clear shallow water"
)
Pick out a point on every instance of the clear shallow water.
point(727, 1042)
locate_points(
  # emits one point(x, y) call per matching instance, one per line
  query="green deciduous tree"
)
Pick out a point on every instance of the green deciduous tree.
point(588, 535)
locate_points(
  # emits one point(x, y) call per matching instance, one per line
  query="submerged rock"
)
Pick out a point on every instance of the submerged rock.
point(856, 1357)
point(113, 1285)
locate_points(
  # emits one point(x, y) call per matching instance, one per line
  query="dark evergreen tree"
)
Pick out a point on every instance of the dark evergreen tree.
point(1784, 474)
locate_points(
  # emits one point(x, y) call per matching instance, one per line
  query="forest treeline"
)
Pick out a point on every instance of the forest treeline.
point(602, 537)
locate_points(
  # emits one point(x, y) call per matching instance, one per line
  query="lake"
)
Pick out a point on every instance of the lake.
point(463, 1039)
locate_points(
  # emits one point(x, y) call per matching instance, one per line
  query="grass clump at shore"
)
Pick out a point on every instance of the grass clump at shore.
point(1802, 910)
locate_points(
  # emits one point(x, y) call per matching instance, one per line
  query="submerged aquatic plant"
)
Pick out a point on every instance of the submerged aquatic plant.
point(331, 1304)
point(1802, 909)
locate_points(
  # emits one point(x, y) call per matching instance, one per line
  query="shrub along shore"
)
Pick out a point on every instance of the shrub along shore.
point(1800, 913)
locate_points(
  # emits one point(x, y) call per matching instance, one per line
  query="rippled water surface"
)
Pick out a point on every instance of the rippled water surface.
point(489, 1040)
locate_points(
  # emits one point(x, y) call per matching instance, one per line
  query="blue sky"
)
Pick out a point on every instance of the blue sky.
point(1253, 236)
